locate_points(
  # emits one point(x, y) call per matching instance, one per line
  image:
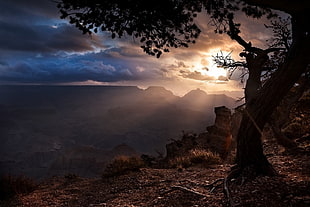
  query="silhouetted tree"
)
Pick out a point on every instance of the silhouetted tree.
point(163, 24)
point(262, 99)
point(274, 56)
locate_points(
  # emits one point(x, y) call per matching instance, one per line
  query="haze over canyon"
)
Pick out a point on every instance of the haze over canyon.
point(50, 130)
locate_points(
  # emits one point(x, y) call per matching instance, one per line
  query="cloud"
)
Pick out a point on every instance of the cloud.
point(3, 63)
point(222, 78)
point(196, 75)
point(45, 39)
point(28, 11)
point(21, 72)
point(70, 69)
point(176, 66)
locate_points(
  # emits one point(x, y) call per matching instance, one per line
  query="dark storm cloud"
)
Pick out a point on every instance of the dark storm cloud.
point(20, 72)
point(71, 70)
point(35, 26)
point(43, 38)
point(37, 46)
point(18, 37)
point(3, 63)
point(68, 38)
point(28, 10)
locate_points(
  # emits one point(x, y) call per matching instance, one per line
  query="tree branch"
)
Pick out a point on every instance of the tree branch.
point(269, 50)
point(286, 6)
point(234, 34)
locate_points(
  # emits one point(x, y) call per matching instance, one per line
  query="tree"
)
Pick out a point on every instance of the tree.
point(259, 64)
point(163, 24)
point(279, 45)
point(261, 100)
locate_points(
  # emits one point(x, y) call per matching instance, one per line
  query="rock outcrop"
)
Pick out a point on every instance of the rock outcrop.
point(217, 138)
point(178, 148)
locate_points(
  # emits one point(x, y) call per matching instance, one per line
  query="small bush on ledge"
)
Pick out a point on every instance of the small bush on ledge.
point(202, 157)
point(122, 165)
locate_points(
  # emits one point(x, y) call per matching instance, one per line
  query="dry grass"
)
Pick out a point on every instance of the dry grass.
point(122, 165)
point(202, 157)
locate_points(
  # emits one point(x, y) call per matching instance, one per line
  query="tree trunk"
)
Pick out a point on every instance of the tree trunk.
point(249, 147)
point(255, 64)
point(259, 109)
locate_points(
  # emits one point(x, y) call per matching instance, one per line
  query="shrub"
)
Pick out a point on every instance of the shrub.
point(14, 185)
point(180, 162)
point(194, 157)
point(205, 157)
point(122, 165)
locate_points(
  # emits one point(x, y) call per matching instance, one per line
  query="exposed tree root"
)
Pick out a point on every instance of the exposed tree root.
point(184, 189)
point(237, 174)
point(233, 174)
point(215, 184)
point(242, 175)
point(212, 186)
point(177, 187)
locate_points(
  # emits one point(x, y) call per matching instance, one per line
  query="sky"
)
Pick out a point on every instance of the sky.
point(37, 47)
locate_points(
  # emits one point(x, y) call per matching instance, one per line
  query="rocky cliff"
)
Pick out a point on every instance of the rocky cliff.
point(217, 138)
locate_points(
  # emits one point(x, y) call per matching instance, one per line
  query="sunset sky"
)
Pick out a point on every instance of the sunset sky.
point(37, 47)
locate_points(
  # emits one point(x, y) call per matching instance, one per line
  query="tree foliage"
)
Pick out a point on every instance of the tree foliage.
point(159, 24)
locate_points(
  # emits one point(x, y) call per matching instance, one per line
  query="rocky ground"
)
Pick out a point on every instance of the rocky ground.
point(186, 187)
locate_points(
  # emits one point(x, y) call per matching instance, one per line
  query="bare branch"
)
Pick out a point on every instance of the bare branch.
point(234, 34)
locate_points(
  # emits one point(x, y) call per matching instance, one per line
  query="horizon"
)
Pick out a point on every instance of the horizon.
point(232, 94)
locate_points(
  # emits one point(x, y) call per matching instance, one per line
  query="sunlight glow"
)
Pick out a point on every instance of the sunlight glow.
point(207, 67)
point(214, 71)
point(211, 70)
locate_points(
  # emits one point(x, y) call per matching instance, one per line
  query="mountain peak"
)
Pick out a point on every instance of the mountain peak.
point(158, 91)
point(195, 93)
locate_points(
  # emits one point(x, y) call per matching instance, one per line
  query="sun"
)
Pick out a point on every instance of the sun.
point(207, 67)
point(211, 70)
point(216, 72)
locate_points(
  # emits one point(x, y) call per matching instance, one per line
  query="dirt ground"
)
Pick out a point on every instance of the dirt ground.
point(180, 188)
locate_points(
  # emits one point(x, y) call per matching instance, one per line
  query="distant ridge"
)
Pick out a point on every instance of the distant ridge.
point(195, 93)
point(159, 90)
point(201, 101)
point(160, 95)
